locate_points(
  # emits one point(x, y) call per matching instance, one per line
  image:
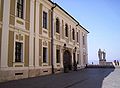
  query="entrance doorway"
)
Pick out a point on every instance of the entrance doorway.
point(67, 61)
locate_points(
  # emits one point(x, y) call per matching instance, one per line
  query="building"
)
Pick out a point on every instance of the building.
point(38, 37)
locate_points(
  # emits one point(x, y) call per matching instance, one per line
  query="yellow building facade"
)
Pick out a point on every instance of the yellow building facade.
point(38, 37)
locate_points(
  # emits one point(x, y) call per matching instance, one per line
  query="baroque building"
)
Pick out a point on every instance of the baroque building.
point(38, 37)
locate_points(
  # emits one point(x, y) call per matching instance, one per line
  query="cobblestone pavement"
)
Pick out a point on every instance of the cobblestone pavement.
point(86, 78)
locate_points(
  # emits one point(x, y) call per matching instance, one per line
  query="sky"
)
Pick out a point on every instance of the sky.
point(102, 19)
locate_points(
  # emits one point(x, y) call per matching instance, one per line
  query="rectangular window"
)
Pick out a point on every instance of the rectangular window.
point(18, 52)
point(77, 37)
point(44, 55)
point(73, 34)
point(83, 39)
point(78, 59)
point(44, 20)
point(66, 32)
point(57, 25)
point(20, 6)
point(57, 56)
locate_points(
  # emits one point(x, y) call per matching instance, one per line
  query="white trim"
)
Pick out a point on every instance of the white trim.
point(44, 9)
point(37, 34)
point(14, 68)
point(18, 63)
point(46, 54)
point(24, 9)
point(61, 56)
point(23, 42)
point(31, 38)
point(5, 34)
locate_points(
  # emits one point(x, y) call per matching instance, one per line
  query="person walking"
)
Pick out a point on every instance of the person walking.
point(117, 62)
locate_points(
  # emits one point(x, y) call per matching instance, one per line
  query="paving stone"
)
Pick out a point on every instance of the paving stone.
point(86, 78)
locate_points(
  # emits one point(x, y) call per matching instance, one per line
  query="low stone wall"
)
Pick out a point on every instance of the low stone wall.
point(20, 73)
point(100, 66)
point(58, 70)
point(6, 75)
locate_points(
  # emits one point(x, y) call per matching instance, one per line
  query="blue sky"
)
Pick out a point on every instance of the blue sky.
point(102, 19)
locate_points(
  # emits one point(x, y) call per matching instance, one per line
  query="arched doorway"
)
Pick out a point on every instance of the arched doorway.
point(67, 61)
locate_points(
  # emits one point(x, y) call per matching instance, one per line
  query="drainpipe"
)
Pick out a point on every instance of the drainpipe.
point(52, 35)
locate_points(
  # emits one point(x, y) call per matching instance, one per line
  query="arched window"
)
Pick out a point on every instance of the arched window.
point(73, 34)
point(57, 25)
point(66, 30)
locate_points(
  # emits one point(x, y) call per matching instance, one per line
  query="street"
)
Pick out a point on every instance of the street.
point(85, 78)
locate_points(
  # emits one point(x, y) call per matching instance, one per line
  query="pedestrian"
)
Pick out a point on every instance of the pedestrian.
point(117, 62)
point(75, 65)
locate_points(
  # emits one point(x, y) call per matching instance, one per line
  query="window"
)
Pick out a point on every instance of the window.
point(78, 59)
point(18, 52)
point(57, 56)
point(83, 39)
point(73, 34)
point(57, 25)
point(20, 5)
point(66, 30)
point(44, 20)
point(77, 37)
point(44, 55)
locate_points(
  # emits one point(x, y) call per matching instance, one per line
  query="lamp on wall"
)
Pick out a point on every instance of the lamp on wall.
point(75, 49)
point(64, 46)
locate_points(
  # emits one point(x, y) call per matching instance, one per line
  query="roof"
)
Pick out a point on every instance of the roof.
point(68, 15)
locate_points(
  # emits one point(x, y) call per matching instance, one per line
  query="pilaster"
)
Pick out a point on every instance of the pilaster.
point(54, 55)
point(37, 34)
point(31, 41)
point(86, 49)
point(61, 56)
point(5, 34)
point(81, 49)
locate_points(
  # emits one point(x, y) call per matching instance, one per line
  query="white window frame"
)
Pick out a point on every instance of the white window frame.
point(46, 55)
point(15, 40)
point(24, 9)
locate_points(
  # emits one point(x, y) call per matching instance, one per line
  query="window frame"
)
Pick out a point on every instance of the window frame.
point(45, 17)
point(73, 34)
point(20, 8)
point(57, 25)
point(83, 38)
point(66, 30)
point(45, 59)
point(57, 55)
point(78, 59)
point(21, 53)
point(77, 36)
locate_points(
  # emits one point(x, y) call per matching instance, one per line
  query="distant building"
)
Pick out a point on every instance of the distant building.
point(38, 37)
